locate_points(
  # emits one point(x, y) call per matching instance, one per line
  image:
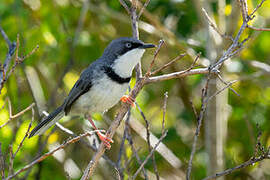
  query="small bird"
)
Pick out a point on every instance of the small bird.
point(101, 85)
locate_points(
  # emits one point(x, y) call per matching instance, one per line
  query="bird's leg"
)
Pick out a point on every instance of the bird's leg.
point(128, 99)
point(106, 140)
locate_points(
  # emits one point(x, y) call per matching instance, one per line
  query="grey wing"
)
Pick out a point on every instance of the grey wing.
point(82, 86)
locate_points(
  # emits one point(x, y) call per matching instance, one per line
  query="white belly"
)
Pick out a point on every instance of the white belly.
point(102, 96)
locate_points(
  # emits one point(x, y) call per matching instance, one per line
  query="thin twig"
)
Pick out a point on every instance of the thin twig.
point(13, 155)
point(257, 7)
point(124, 4)
point(224, 82)
point(27, 132)
point(148, 141)
point(214, 26)
point(135, 152)
point(18, 114)
point(150, 154)
point(244, 9)
point(241, 166)
point(199, 124)
point(168, 64)
point(142, 9)
point(148, 73)
point(2, 163)
point(5, 37)
point(44, 156)
point(164, 111)
point(221, 90)
point(258, 29)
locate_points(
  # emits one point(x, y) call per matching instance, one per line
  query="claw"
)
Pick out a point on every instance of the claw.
point(106, 140)
point(129, 100)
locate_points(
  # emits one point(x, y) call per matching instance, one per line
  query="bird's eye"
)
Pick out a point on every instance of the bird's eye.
point(128, 45)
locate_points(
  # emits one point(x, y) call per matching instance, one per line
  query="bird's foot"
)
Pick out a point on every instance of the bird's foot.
point(129, 100)
point(105, 139)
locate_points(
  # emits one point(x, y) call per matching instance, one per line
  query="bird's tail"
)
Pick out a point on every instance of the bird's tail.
point(48, 122)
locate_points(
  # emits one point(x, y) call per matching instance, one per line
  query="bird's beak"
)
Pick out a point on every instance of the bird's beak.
point(144, 46)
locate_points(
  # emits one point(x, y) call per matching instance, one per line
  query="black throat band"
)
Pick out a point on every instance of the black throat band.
point(115, 77)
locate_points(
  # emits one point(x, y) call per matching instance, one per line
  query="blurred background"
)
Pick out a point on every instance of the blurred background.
point(73, 33)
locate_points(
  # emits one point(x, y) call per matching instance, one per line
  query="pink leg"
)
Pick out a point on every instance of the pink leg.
point(106, 140)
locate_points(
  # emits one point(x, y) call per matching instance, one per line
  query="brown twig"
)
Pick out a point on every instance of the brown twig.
point(11, 117)
point(224, 82)
point(150, 154)
point(241, 166)
point(214, 26)
point(199, 124)
point(143, 8)
point(44, 156)
point(148, 73)
point(168, 64)
point(258, 29)
point(2, 163)
point(13, 155)
point(129, 138)
point(147, 124)
point(221, 90)
point(124, 4)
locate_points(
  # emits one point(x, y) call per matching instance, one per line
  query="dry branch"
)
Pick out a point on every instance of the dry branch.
point(44, 156)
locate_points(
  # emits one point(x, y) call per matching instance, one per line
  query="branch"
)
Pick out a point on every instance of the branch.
point(243, 165)
point(200, 118)
point(175, 75)
point(148, 140)
point(13, 155)
point(150, 154)
point(18, 114)
point(62, 146)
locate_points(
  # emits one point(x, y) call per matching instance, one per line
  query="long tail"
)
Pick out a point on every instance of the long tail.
point(48, 122)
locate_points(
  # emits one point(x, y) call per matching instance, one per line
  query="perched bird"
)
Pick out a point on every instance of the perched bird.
point(101, 85)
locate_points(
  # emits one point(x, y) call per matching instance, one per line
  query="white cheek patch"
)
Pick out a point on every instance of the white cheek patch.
point(124, 65)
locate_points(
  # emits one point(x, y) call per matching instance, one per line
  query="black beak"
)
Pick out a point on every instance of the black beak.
point(145, 46)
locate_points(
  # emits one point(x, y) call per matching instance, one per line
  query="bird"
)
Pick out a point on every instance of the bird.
point(101, 85)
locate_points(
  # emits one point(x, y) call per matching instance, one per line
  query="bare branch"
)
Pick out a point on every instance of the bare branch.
point(214, 26)
point(200, 118)
point(161, 42)
point(244, 9)
point(218, 92)
point(179, 74)
point(257, 7)
point(2, 163)
point(124, 4)
point(5, 37)
point(18, 114)
point(150, 154)
point(142, 9)
point(164, 111)
point(258, 29)
point(62, 146)
point(168, 64)
point(241, 166)
point(148, 141)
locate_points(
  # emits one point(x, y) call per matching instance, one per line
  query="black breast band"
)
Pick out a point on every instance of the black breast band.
point(115, 77)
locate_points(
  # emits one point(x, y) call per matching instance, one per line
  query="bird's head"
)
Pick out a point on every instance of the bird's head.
point(124, 53)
